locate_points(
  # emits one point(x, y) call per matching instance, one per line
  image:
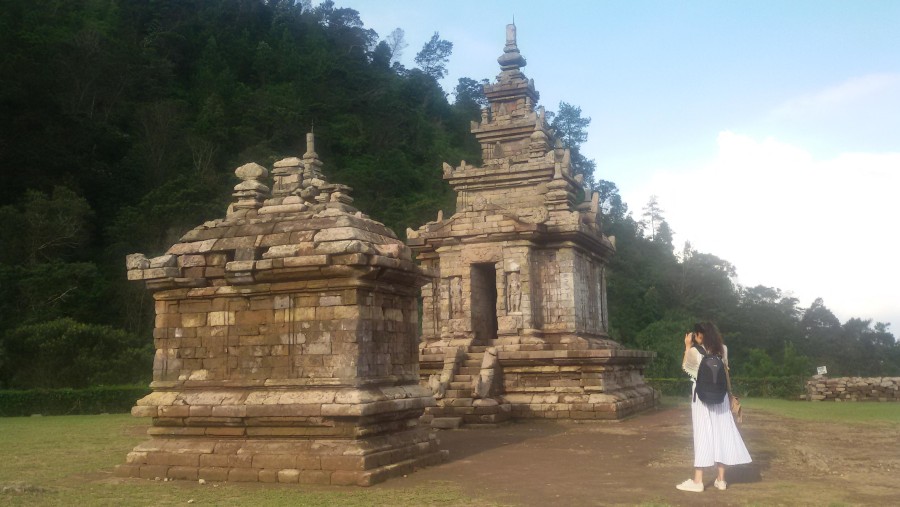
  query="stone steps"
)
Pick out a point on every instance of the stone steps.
point(446, 423)
point(458, 402)
point(457, 393)
point(457, 407)
point(446, 411)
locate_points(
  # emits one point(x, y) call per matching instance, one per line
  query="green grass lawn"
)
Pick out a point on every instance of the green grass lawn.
point(851, 412)
point(69, 460)
point(827, 411)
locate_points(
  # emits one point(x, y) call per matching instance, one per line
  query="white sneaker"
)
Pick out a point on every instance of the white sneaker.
point(720, 485)
point(690, 485)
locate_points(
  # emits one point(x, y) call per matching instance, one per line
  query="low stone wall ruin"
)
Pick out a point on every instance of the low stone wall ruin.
point(821, 388)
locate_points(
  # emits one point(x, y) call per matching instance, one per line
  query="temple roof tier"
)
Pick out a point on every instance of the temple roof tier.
point(305, 229)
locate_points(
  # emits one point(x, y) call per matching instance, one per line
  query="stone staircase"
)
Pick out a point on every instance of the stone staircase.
point(461, 405)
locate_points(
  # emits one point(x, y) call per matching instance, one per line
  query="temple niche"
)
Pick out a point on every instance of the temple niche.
point(515, 319)
point(286, 342)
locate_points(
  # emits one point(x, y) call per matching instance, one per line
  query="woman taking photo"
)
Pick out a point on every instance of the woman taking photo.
point(717, 440)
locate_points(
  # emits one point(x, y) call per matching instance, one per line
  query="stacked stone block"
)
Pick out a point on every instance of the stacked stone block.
point(571, 387)
point(286, 342)
point(822, 388)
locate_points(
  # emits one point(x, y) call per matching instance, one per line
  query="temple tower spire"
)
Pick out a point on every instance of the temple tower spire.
point(519, 277)
point(510, 117)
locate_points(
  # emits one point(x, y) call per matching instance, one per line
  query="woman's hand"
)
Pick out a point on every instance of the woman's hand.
point(688, 340)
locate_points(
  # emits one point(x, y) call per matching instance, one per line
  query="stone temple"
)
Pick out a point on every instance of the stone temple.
point(515, 320)
point(287, 333)
point(286, 342)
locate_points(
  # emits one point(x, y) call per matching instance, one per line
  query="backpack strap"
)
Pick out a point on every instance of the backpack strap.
point(728, 378)
point(702, 352)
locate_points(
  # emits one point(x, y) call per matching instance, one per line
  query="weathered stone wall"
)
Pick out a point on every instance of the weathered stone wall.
point(313, 333)
point(551, 307)
point(594, 388)
point(512, 198)
point(821, 388)
point(392, 319)
point(588, 294)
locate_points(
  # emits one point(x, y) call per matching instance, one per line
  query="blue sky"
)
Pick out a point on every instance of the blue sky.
point(781, 117)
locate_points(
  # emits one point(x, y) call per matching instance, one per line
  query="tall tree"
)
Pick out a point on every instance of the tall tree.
point(53, 227)
point(653, 217)
point(469, 91)
point(396, 43)
point(433, 57)
point(821, 336)
point(571, 129)
point(664, 234)
point(614, 208)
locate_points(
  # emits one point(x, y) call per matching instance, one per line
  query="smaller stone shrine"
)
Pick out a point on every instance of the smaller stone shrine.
point(286, 342)
point(515, 319)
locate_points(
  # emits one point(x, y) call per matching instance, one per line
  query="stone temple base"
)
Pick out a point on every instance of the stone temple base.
point(576, 384)
point(580, 384)
point(341, 436)
point(582, 406)
point(314, 461)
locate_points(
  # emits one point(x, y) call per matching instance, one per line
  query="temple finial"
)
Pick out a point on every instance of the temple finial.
point(510, 37)
point(511, 58)
point(312, 166)
point(310, 146)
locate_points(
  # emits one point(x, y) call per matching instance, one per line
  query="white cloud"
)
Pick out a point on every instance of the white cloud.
point(850, 92)
point(820, 228)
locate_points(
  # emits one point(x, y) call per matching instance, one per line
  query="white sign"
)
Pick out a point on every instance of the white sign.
point(821, 370)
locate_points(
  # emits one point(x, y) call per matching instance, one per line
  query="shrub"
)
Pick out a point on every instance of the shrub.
point(94, 400)
point(65, 353)
point(666, 338)
point(760, 387)
point(770, 387)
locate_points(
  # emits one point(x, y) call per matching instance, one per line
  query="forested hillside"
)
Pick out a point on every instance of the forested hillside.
point(123, 123)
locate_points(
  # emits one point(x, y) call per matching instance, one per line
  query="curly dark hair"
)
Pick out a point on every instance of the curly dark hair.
point(712, 338)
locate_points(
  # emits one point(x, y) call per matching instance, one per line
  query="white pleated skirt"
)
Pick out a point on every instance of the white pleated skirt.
point(716, 436)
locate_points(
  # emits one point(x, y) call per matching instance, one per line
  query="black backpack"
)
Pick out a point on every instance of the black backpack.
point(712, 384)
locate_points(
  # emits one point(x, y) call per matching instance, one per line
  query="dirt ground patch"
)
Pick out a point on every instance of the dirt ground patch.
point(639, 461)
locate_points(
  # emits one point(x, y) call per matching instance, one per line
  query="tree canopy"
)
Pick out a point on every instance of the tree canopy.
point(123, 122)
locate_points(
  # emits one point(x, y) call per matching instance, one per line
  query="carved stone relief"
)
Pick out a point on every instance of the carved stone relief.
point(456, 297)
point(513, 293)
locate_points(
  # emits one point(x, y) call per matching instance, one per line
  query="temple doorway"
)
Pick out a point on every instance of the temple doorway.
point(484, 302)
